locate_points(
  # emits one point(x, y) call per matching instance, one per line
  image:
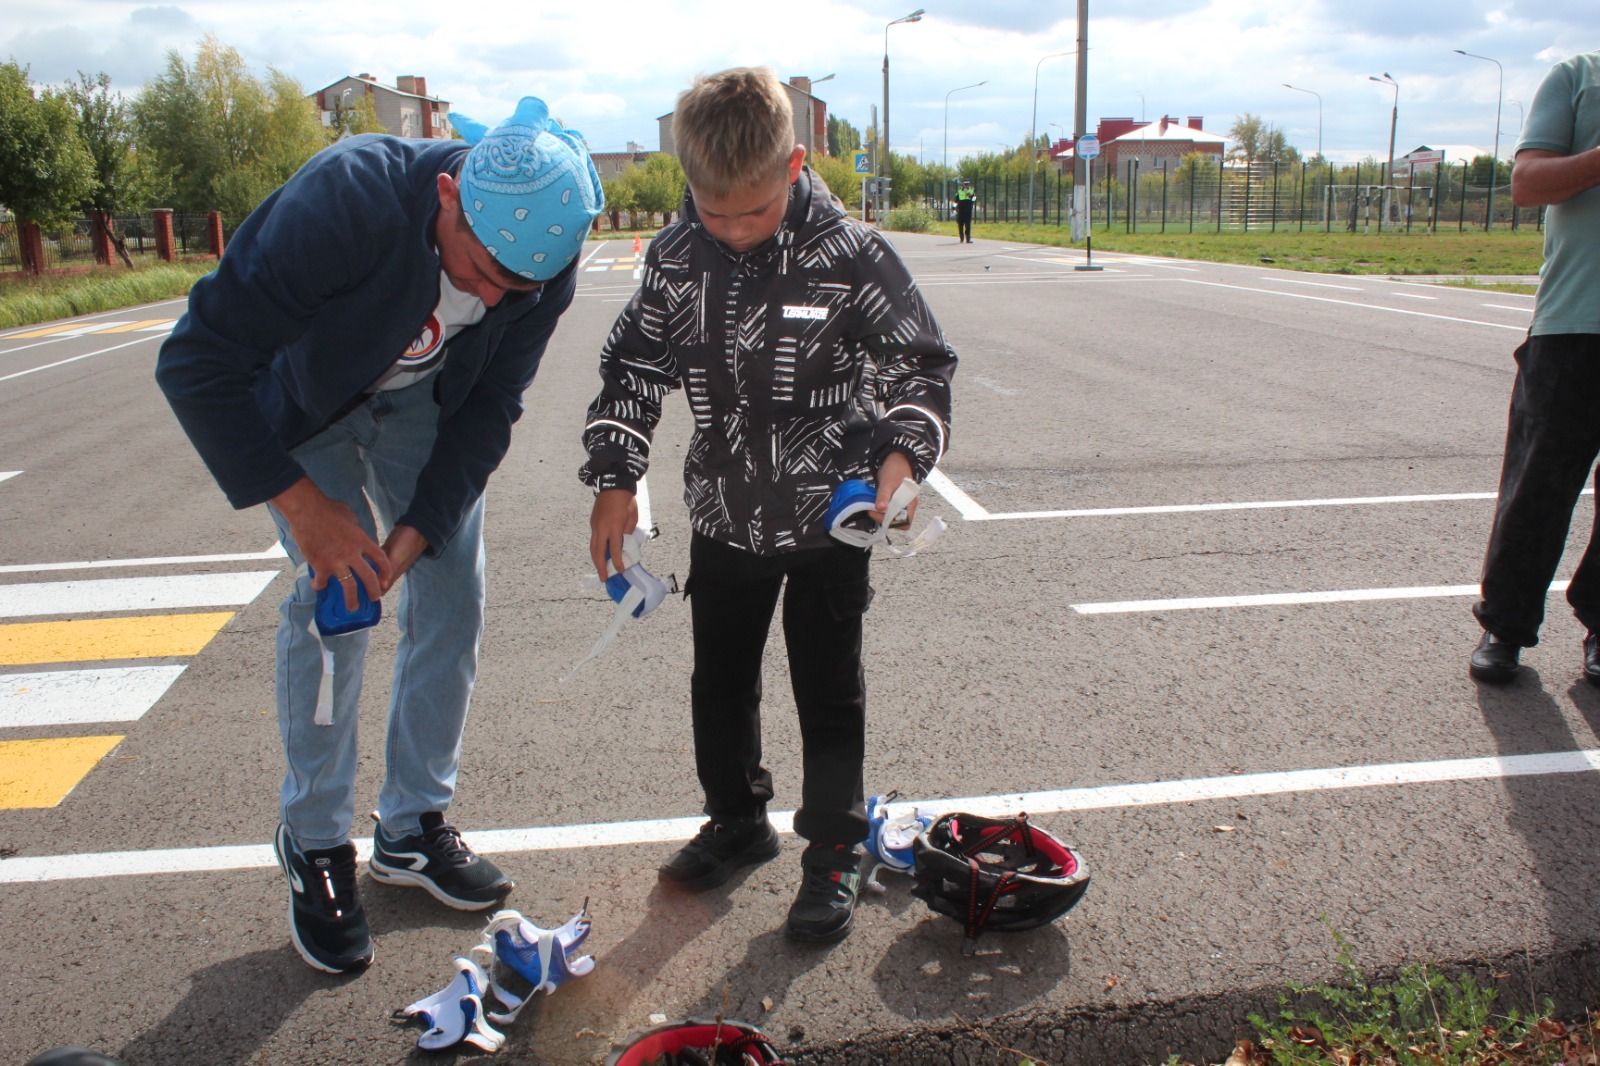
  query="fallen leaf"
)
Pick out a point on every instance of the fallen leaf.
point(1111, 981)
point(766, 1003)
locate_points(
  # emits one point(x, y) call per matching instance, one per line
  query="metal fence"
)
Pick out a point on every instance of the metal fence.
point(1261, 196)
point(72, 244)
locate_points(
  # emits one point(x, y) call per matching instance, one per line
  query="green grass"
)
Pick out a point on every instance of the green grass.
point(1444, 253)
point(28, 300)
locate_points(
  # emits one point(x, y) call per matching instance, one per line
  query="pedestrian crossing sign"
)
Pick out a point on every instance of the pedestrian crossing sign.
point(862, 165)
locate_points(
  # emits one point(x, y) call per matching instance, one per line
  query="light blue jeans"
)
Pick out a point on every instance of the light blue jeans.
point(375, 454)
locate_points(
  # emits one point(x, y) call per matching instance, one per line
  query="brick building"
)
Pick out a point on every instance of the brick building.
point(405, 109)
point(1152, 143)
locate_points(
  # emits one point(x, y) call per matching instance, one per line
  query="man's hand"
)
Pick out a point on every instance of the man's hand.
point(615, 514)
point(895, 469)
point(333, 542)
point(404, 546)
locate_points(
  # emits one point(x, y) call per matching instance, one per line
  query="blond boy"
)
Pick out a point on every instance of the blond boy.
point(809, 358)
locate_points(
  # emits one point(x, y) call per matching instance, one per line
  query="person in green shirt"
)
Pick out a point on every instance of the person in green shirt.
point(1553, 435)
point(966, 201)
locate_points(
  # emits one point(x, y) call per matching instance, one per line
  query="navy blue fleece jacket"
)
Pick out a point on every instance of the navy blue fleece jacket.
point(322, 288)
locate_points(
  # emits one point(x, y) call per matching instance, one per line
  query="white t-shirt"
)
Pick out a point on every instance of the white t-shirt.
point(456, 311)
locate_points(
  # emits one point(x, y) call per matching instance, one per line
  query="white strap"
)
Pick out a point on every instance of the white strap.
point(619, 618)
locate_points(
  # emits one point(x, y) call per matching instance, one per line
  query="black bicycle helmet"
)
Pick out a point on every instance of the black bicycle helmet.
point(991, 874)
point(697, 1042)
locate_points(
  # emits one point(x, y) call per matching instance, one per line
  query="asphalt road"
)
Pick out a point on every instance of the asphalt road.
point(1202, 611)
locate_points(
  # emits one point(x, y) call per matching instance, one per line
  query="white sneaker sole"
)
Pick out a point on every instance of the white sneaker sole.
point(392, 875)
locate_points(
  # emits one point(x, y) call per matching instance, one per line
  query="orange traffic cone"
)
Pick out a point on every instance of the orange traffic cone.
point(635, 244)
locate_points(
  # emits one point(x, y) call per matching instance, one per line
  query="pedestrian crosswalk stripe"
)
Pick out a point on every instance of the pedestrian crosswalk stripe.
point(166, 636)
point(69, 327)
point(129, 327)
point(73, 697)
point(40, 773)
point(132, 593)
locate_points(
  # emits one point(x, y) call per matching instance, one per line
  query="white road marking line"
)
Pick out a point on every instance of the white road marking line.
point(8, 474)
point(1249, 505)
point(41, 868)
point(74, 697)
point(132, 593)
point(597, 250)
point(1281, 599)
point(968, 507)
point(1508, 307)
point(1346, 303)
point(165, 327)
point(97, 314)
point(274, 552)
point(1415, 296)
point(994, 386)
point(1318, 284)
point(75, 358)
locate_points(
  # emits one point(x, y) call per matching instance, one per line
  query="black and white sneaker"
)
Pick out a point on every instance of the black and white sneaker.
point(326, 920)
point(438, 861)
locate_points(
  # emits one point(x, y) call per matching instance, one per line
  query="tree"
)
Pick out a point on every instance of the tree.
point(1256, 141)
point(104, 125)
point(214, 136)
point(46, 173)
point(659, 185)
point(622, 195)
point(357, 116)
point(842, 137)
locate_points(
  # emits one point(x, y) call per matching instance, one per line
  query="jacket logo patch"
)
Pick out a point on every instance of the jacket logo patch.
point(815, 314)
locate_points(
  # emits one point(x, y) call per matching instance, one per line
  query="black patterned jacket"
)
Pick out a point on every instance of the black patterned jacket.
point(806, 361)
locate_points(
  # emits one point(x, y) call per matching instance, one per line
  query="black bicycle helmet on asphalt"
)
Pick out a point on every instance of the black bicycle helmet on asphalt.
point(992, 874)
point(697, 1042)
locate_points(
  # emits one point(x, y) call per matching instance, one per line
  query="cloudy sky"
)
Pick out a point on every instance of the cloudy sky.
point(609, 68)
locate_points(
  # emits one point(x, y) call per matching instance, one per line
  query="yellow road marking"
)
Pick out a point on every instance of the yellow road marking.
point(40, 773)
point(46, 331)
point(83, 640)
point(131, 326)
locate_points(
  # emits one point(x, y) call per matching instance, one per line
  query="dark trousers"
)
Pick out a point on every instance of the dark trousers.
point(732, 596)
point(1552, 438)
point(964, 220)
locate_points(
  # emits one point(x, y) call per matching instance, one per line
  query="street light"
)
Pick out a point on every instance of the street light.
point(811, 125)
point(883, 149)
point(945, 210)
point(1394, 118)
point(1318, 95)
point(1034, 126)
point(1494, 169)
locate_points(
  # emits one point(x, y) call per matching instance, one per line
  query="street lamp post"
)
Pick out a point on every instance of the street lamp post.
point(1394, 118)
point(1034, 126)
point(811, 124)
point(883, 149)
point(944, 211)
point(1318, 95)
point(1494, 169)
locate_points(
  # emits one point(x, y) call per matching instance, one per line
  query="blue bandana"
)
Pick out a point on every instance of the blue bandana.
point(528, 189)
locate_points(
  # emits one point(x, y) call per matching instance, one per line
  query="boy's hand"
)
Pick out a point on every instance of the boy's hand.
point(615, 514)
point(895, 469)
point(404, 546)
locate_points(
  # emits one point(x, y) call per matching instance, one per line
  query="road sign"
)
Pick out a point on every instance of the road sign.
point(1088, 146)
point(862, 165)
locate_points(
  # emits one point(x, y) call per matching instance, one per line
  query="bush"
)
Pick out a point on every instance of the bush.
point(910, 219)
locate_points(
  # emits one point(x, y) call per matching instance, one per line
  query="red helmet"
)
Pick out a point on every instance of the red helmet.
point(697, 1042)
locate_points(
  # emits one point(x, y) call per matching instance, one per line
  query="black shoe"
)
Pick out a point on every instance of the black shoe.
point(326, 920)
point(826, 903)
point(438, 861)
point(1495, 661)
point(718, 850)
point(1591, 658)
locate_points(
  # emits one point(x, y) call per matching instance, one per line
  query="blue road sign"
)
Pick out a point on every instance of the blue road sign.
point(1088, 146)
point(862, 165)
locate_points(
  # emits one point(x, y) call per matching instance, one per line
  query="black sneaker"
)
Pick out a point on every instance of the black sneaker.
point(718, 850)
point(326, 920)
point(438, 861)
point(826, 903)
